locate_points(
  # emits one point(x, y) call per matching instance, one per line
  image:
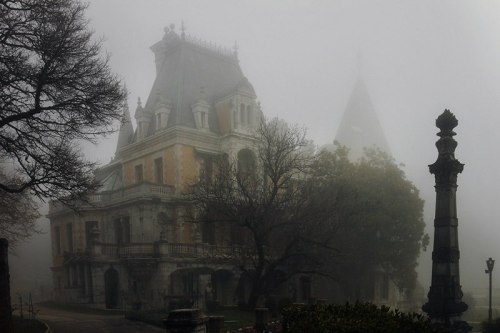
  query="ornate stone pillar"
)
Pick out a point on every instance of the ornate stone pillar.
point(445, 304)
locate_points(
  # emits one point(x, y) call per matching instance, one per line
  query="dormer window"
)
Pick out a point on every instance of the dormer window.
point(200, 111)
point(162, 111)
point(158, 121)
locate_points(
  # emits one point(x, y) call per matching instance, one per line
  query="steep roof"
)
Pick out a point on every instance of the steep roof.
point(187, 70)
point(360, 127)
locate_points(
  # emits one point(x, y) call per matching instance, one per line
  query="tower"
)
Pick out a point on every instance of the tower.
point(360, 127)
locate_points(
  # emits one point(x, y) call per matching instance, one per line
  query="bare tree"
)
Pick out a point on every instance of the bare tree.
point(270, 202)
point(56, 89)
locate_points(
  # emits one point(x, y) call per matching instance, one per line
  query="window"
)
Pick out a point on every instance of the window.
point(158, 121)
point(69, 236)
point(250, 119)
point(122, 230)
point(246, 164)
point(208, 233)
point(158, 165)
point(57, 236)
point(89, 227)
point(138, 173)
point(206, 169)
point(243, 115)
point(203, 120)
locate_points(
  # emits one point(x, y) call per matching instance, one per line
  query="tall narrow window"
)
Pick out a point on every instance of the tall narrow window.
point(126, 229)
point(69, 236)
point(250, 118)
point(57, 236)
point(122, 230)
point(158, 170)
point(89, 227)
point(138, 173)
point(243, 115)
point(158, 121)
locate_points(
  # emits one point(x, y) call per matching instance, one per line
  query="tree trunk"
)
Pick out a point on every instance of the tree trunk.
point(5, 307)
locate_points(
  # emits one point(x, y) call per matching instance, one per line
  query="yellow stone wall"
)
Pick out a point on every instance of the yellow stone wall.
point(189, 167)
point(224, 117)
point(185, 162)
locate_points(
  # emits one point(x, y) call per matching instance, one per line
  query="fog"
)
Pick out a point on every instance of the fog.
point(303, 57)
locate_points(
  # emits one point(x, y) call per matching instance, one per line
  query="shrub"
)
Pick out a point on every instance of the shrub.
point(348, 318)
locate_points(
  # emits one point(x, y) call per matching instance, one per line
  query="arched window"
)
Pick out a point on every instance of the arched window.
point(246, 163)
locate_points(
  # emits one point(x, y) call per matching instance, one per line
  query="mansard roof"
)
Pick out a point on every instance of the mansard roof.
point(360, 127)
point(187, 70)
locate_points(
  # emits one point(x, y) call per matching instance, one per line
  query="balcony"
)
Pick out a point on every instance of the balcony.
point(198, 251)
point(102, 199)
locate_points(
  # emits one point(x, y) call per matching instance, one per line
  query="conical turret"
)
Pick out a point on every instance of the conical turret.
point(126, 129)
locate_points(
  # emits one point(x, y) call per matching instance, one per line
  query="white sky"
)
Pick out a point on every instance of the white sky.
point(418, 58)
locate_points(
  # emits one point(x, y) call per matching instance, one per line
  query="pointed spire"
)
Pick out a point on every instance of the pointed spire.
point(126, 129)
point(183, 30)
point(138, 110)
point(360, 127)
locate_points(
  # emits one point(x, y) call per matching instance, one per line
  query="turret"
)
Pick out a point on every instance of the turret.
point(126, 129)
point(143, 119)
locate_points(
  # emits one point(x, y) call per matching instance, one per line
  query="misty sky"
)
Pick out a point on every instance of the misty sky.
point(302, 57)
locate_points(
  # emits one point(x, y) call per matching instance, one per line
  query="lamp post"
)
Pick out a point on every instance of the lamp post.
point(489, 263)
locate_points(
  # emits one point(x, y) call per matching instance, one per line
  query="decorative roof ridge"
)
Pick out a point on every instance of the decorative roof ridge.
point(226, 52)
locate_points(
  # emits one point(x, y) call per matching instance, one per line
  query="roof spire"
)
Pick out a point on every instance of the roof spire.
point(126, 129)
point(183, 30)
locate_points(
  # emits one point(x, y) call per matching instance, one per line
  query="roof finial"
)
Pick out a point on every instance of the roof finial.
point(183, 30)
point(139, 103)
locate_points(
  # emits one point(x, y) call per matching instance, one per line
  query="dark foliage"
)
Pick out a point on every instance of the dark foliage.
point(380, 214)
point(354, 318)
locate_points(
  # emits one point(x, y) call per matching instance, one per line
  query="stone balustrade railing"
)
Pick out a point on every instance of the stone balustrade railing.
point(142, 190)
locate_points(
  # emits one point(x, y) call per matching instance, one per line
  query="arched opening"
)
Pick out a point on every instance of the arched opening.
point(111, 288)
point(223, 284)
point(246, 164)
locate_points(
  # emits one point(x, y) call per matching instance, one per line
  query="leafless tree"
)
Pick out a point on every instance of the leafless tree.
point(271, 203)
point(56, 89)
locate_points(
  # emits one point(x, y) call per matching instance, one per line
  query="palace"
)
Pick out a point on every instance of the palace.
point(132, 244)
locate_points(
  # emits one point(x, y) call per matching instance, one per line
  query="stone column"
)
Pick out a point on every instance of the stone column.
point(445, 304)
point(5, 306)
